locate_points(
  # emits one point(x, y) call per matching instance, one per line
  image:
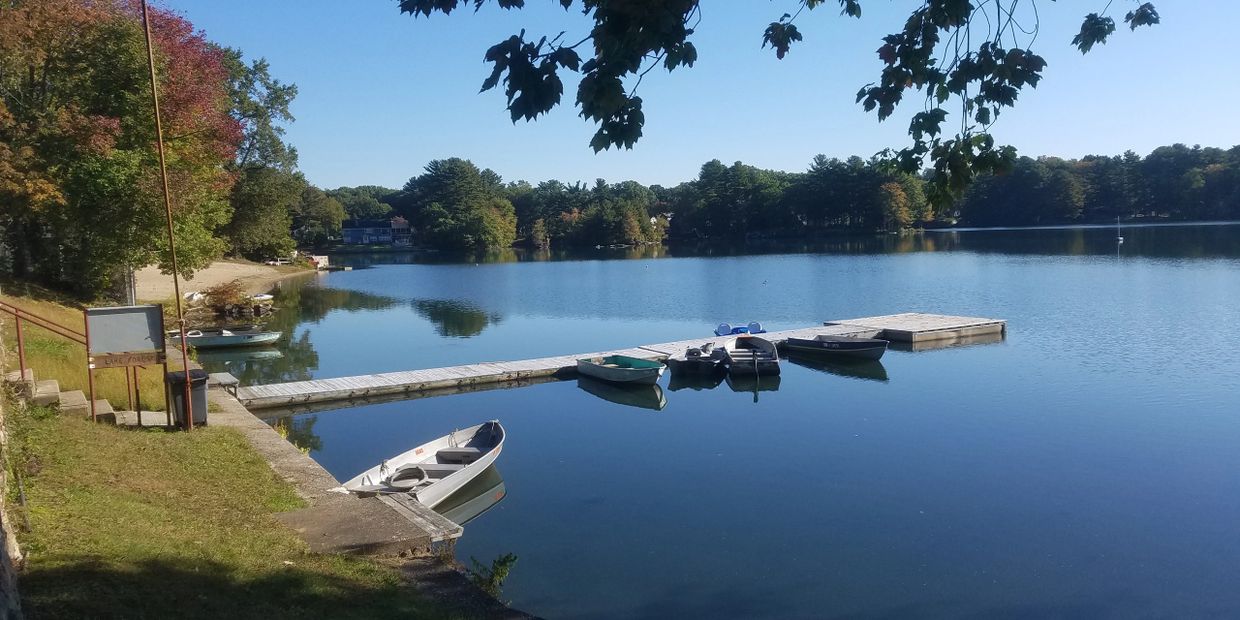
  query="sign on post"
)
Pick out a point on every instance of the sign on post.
point(125, 336)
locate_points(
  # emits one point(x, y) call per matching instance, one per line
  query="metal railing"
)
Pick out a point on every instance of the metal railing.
point(22, 316)
point(19, 315)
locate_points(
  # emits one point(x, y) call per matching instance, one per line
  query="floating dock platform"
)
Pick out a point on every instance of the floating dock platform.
point(918, 330)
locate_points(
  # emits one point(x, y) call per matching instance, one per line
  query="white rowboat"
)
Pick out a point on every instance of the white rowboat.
point(751, 355)
point(434, 470)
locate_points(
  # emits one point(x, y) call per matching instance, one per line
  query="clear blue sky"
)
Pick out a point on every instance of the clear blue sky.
point(382, 93)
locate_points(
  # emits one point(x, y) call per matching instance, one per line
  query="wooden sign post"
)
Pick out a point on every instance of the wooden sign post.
point(124, 337)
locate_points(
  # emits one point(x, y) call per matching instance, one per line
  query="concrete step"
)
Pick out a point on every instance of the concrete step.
point(149, 419)
point(104, 413)
point(46, 392)
point(15, 376)
point(74, 403)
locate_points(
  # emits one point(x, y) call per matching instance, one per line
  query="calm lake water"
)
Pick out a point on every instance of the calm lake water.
point(1087, 466)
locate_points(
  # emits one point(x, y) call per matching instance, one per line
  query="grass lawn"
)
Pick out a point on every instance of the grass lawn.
point(154, 524)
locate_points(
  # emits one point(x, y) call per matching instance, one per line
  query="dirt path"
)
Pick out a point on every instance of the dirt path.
point(155, 286)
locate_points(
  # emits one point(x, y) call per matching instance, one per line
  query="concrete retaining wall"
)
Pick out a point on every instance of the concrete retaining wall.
point(10, 554)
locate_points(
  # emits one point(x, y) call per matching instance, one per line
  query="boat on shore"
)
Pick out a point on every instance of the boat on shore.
point(621, 369)
point(703, 360)
point(643, 396)
point(218, 338)
point(751, 355)
point(436, 469)
point(842, 346)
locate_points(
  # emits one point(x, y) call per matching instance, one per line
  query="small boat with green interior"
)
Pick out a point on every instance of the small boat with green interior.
point(621, 369)
point(218, 338)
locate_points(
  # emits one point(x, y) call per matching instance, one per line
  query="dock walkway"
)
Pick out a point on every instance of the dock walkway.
point(914, 328)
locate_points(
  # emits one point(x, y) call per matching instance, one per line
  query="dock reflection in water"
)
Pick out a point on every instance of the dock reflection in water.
point(643, 396)
point(476, 497)
point(868, 370)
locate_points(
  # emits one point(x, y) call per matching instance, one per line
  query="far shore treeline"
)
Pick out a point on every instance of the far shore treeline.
point(80, 198)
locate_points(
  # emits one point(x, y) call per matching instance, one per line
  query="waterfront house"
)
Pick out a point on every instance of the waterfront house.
point(370, 231)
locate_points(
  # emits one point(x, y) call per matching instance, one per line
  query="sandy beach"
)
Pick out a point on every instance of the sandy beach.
point(155, 286)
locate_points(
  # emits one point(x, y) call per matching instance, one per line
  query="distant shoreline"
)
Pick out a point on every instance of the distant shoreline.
point(256, 278)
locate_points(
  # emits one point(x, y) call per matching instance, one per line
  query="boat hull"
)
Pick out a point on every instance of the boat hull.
point(620, 369)
point(215, 340)
point(751, 355)
point(430, 456)
point(857, 348)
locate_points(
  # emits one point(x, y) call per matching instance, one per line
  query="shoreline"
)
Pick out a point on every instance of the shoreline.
point(154, 286)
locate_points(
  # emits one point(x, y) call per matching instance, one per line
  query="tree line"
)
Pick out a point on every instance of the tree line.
point(1175, 182)
point(81, 201)
point(455, 205)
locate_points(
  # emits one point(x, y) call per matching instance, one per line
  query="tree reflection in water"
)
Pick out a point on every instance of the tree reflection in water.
point(299, 431)
point(454, 319)
point(297, 302)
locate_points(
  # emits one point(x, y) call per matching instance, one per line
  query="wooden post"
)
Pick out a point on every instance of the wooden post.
point(128, 388)
point(21, 349)
point(90, 370)
point(137, 395)
point(167, 399)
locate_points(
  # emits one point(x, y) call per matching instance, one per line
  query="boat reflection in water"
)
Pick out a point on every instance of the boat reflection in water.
point(643, 396)
point(683, 381)
point(868, 370)
point(476, 497)
point(754, 384)
point(231, 356)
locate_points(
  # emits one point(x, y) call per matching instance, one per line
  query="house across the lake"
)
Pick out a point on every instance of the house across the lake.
point(395, 231)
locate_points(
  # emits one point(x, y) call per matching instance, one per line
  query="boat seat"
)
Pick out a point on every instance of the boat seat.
point(463, 454)
point(440, 470)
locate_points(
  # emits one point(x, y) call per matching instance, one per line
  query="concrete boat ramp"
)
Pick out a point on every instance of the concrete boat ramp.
point(918, 330)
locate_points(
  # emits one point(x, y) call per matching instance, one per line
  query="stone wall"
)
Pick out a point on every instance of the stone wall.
point(10, 554)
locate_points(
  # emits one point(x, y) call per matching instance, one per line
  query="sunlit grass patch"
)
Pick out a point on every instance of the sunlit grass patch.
point(171, 524)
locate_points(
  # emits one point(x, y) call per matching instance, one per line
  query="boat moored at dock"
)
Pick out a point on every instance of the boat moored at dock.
point(434, 470)
point(843, 346)
point(751, 355)
point(621, 369)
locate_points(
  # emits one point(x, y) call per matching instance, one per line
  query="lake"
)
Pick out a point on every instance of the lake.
point(1086, 466)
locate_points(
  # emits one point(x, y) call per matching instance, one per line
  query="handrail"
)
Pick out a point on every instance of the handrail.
point(80, 337)
point(52, 326)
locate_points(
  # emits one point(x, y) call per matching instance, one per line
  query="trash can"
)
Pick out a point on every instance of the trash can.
point(197, 394)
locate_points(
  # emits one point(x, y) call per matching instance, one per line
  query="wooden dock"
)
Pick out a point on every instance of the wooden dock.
point(914, 328)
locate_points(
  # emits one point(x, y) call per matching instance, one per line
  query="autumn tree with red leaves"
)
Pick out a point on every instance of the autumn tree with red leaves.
point(79, 183)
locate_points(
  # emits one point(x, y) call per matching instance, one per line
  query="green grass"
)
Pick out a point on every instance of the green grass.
point(55, 357)
point(153, 524)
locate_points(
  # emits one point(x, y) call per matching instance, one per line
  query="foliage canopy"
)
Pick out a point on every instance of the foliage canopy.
point(974, 56)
